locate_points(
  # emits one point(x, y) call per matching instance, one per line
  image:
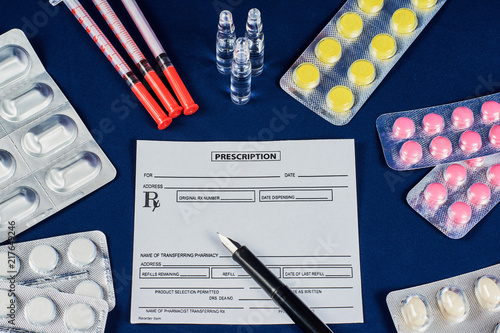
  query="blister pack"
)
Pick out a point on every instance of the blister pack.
point(32, 310)
point(48, 158)
point(351, 56)
point(455, 197)
point(464, 303)
point(441, 134)
point(76, 264)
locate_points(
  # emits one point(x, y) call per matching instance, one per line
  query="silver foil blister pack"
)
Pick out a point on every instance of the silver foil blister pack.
point(441, 134)
point(48, 158)
point(464, 303)
point(366, 56)
point(455, 197)
point(29, 310)
point(75, 263)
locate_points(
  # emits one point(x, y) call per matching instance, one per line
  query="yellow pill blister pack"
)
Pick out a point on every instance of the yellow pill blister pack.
point(466, 303)
point(349, 58)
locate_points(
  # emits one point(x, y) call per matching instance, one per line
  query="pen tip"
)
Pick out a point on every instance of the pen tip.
point(229, 243)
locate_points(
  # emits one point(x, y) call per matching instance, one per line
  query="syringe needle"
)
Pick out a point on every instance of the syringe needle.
point(162, 120)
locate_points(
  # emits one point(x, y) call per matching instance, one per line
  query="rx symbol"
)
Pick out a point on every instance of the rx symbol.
point(151, 200)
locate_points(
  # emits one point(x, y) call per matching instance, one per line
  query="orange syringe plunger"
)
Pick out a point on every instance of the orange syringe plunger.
point(178, 86)
point(148, 101)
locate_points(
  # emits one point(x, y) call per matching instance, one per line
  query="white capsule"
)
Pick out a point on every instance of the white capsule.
point(79, 317)
point(453, 304)
point(90, 289)
point(416, 313)
point(43, 259)
point(40, 311)
point(488, 292)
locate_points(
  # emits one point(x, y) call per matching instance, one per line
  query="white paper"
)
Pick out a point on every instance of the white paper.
point(292, 203)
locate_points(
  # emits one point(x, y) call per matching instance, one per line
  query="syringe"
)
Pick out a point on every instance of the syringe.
point(156, 48)
point(117, 61)
point(170, 104)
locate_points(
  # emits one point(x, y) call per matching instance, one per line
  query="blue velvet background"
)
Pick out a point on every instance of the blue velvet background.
point(455, 58)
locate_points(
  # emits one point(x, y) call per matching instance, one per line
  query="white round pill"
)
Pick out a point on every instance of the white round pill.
point(488, 292)
point(82, 251)
point(497, 329)
point(453, 304)
point(43, 259)
point(9, 265)
point(90, 289)
point(79, 317)
point(40, 311)
point(8, 303)
point(415, 312)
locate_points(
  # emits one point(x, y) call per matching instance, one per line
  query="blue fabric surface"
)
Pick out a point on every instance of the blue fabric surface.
point(455, 58)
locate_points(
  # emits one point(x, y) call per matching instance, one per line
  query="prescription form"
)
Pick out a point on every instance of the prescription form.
point(293, 203)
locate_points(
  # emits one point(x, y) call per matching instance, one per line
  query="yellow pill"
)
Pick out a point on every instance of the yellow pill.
point(404, 21)
point(350, 25)
point(328, 50)
point(383, 46)
point(371, 6)
point(306, 76)
point(361, 72)
point(340, 99)
point(424, 4)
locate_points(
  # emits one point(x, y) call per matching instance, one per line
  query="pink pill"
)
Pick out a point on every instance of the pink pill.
point(493, 174)
point(470, 142)
point(440, 147)
point(495, 136)
point(433, 123)
point(411, 152)
point(435, 194)
point(403, 128)
point(479, 194)
point(462, 117)
point(475, 162)
point(490, 111)
point(460, 213)
point(455, 175)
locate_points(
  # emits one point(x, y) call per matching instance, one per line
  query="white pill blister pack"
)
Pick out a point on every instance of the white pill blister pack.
point(29, 310)
point(76, 264)
point(464, 303)
point(455, 197)
point(350, 57)
point(441, 134)
point(48, 158)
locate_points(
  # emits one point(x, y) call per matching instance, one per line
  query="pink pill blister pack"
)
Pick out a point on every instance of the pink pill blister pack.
point(48, 158)
point(75, 263)
point(466, 303)
point(455, 197)
point(34, 310)
point(441, 134)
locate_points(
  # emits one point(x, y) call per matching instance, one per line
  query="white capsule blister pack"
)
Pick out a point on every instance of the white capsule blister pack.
point(351, 56)
point(441, 134)
point(464, 303)
point(48, 158)
point(455, 197)
point(29, 310)
point(76, 264)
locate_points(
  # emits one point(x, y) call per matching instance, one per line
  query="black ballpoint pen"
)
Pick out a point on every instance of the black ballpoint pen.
point(277, 290)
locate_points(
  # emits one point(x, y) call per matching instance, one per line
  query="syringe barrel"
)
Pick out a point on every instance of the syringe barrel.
point(144, 27)
point(98, 36)
point(119, 30)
